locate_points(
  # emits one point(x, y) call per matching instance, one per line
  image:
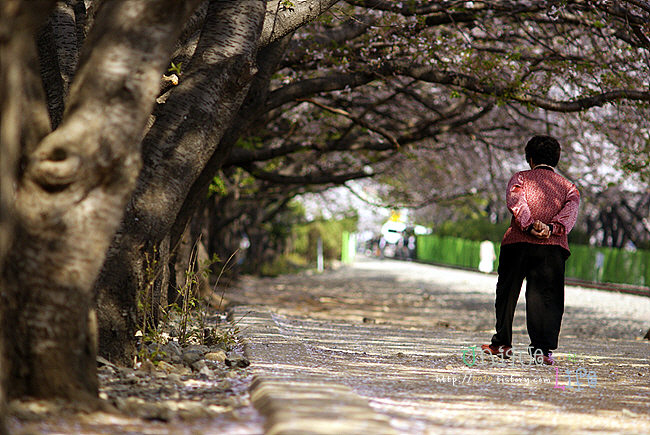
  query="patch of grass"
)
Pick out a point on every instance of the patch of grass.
point(189, 317)
point(284, 264)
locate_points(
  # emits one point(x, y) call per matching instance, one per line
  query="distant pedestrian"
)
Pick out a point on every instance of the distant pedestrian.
point(544, 207)
point(412, 246)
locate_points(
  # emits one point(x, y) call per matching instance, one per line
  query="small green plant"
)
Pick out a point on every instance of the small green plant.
point(224, 338)
point(146, 354)
point(175, 68)
point(188, 295)
point(146, 297)
point(189, 312)
point(218, 187)
point(287, 5)
point(193, 311)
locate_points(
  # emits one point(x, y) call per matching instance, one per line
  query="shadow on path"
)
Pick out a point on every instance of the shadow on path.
point(382, 349)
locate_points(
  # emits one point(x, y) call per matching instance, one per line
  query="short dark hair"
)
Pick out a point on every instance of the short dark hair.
point(544, 150)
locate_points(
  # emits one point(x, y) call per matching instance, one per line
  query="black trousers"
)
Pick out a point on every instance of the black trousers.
point(543, 268)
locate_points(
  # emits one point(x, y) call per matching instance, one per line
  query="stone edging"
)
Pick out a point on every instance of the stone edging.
point(303, 404)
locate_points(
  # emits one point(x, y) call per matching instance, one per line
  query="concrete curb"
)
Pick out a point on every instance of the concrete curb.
point(295, 401)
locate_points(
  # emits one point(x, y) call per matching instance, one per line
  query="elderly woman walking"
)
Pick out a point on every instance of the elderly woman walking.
point(544, 207)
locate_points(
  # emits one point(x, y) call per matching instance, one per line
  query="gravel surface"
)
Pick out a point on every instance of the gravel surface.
point(588, 312)
point(394, 333)
point(416, 294)
point(204, 392)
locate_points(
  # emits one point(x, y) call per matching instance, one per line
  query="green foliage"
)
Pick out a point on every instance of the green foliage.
point(190, 316)
point(244, 181)
point(307, 235)
point(479, 229)
point(283, 264)
point(250, 143)
point(294, 240)
point(191, 313)
point(175, 68)
point(287, 5)
point(635, 156)
point(448, 250)
point(617, 265)
point(146, 354)
point(473, 229)
point(218, 187)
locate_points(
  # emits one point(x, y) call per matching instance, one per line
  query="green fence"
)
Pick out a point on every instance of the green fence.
point(448, 250)
point(586, 263)
point(348, 247)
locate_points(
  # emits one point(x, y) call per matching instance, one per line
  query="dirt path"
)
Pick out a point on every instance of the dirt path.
point(388, 340)
point(378, 349)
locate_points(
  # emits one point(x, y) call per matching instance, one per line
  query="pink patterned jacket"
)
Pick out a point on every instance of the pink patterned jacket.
point(541, 194)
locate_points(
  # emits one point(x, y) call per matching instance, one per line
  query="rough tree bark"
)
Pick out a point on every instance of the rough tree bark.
point(72, 191)
point(58, 50)
point(181, 143)
point(267, 61)
point(175, 150)
point(224, 229)
point(18, 24)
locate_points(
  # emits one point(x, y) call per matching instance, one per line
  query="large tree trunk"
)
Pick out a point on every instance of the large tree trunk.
point(219, 214)
point(184, 139)
point(71, 196)
point(18, 27)
point(224, 229)
point(176, 149)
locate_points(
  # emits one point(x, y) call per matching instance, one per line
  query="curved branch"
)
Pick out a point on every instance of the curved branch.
point(424, 203)
point(274, 177)
point(443, 126)
point(403, 8)
point(281, 20)
point(473, 84)
point(349, 30)
point(357, 120)
point(309, 87)
point(241, 156)
point(640, 4)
